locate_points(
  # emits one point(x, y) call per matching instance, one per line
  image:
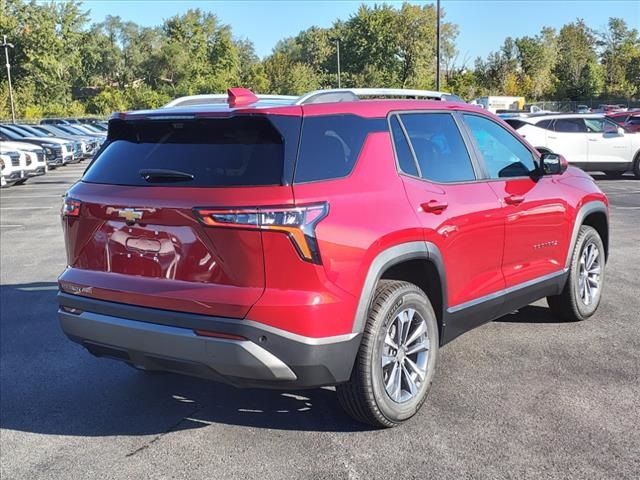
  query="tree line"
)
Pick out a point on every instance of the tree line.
point(64, 65)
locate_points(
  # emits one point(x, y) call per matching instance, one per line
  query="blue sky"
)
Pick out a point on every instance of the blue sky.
point(483, 24)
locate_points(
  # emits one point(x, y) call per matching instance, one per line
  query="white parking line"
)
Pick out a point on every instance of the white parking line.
point(11, 226)
point(30, 196)
point(27, 208)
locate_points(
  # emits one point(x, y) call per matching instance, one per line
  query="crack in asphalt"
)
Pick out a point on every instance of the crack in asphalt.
point(172, 428)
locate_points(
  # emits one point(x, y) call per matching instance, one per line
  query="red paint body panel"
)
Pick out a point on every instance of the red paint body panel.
point(170, 260)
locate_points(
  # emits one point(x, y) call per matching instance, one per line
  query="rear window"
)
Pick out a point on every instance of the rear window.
point(236, 151)
point(331, 144)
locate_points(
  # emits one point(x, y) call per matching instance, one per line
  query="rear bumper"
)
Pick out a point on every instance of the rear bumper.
point(165, 340)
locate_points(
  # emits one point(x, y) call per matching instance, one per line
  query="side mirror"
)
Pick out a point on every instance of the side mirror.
point(553, 164)
point(613, 129)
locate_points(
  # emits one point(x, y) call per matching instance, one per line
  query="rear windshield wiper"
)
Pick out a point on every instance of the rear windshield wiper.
point(165, 176)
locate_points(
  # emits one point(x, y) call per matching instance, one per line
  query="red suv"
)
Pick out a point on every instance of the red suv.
point(630, 120)
point(330, 240)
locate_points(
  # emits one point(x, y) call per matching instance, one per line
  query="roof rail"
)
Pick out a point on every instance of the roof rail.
point(351, 94)
point(220, 98)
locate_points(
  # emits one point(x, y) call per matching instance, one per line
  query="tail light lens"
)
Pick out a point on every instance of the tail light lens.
point(71, 207)
point(297, 222)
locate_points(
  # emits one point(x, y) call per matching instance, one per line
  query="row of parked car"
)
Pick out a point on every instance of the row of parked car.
point(594, 142)
point(29, 150)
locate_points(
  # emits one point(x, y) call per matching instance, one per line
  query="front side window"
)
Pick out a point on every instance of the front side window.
point(504, 155)
point(439, 148)
point(594, 125)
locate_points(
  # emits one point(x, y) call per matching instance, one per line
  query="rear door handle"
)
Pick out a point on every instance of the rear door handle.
point(514, 199)
point(552, 137)
point(593, 139)
point(434, 206)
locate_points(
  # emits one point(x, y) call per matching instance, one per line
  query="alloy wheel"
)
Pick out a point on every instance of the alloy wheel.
point(405, 354)
point(589, 271)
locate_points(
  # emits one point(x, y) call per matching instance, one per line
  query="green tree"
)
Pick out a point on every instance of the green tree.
point(620, 58)
point(577, 69)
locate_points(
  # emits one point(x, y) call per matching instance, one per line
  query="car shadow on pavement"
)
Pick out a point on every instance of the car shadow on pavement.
point(49, 385)
point(532, 314)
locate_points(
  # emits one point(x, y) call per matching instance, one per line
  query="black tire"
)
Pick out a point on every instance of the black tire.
point(569, 305)
point(21, 182)
point(636, 165)
point(364, 397)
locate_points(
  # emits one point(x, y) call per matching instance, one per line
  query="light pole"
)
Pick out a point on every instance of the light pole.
point(437, 45)
point(338, 55)
point(7, 46)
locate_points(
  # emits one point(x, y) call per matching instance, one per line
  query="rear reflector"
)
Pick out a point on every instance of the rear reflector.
point(225, 336)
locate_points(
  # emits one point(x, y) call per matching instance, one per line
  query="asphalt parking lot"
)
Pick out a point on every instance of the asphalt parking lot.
point(522, 397)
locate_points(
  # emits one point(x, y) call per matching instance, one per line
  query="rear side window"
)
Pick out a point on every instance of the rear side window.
point(331, 144)
point(439, 148)
point(236, 151)
point(546, 124)
point(634, 120)
point(406, 161)
point(570, 125)
point(503, 154)
point(516, 124)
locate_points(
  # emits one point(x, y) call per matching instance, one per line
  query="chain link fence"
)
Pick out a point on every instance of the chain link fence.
point(593, 104)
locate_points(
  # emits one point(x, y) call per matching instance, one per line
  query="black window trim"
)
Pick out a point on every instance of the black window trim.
point(533, 151)
point(478, 170)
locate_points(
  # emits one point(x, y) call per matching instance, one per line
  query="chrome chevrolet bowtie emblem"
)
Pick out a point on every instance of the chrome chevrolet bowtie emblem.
point(130, 215)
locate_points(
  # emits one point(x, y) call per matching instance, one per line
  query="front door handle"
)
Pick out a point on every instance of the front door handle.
point(514, 199)
point(434, 206)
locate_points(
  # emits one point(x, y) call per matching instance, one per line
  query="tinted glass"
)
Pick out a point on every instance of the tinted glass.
point(440, 151)
point(403, 152)
point(331, 144)
point(594, 125)
point(515, 124)
point(503, 154)
point(546, 124)
point(570, 125)
point(239, 151)
point(633, 121)
point(9, 134)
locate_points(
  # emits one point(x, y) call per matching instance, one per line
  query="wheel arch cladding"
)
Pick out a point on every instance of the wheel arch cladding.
point(593, 214)
point(419, 263)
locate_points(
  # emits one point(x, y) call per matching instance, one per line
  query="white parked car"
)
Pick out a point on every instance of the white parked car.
point(12, 167)
point(36, 160)
point(589, 141)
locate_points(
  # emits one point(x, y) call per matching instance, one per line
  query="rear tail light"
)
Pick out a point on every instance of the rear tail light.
point(71, 207)
point(1, 164)
point(299, 223)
